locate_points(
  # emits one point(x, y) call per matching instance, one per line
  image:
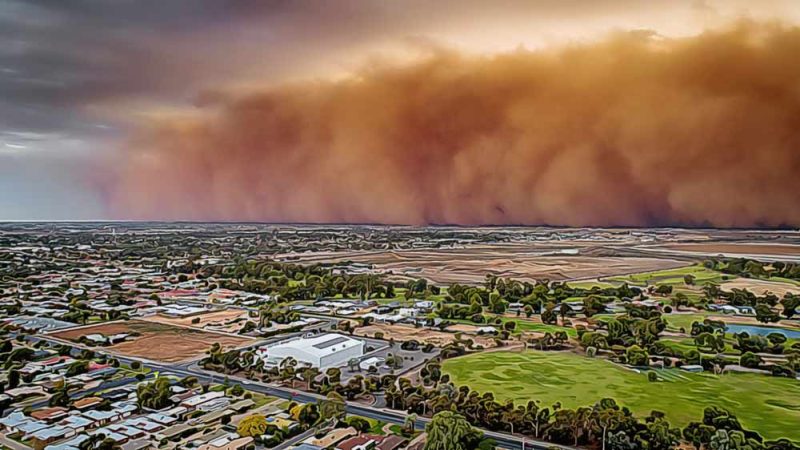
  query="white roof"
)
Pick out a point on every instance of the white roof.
point(202, 398)
point(310, 349)
point(317, 346)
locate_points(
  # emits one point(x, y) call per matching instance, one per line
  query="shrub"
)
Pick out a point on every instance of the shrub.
point(750, 360)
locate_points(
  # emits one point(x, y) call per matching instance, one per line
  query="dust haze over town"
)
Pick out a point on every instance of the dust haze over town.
point(406, 225)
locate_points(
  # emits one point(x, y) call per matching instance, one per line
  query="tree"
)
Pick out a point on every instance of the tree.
point(593, 305)
point(730, 440)
point(664, 289)
point(154, 395)
point(333, 374)
point(765, 314)
point(621, 441)
point(13, 378)
point(252, 426)
point(358, 423)
point(450, 431)
point(750, 360)
point(306, 414)
point(61, 396)
point(333, 407)
point(608, 417)
point(679, 300)
point(714, 342)
point(698, 434)
point(790, 304)
point(636, 356)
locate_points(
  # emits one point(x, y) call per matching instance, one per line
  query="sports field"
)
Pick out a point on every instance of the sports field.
point(763, 403)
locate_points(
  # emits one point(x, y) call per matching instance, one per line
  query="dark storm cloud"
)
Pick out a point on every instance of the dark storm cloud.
point(65, 55)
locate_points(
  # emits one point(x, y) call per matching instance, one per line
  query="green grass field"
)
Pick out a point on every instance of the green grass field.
point(672, 276)
point(527, 325)
point(588, 284)
point(763, 403)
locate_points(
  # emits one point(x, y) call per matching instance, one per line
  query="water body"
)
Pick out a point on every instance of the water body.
point(761, 330)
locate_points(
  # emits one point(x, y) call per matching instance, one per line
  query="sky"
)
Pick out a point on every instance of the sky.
point(568, 112)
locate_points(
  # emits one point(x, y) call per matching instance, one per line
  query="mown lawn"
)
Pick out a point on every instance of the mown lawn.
point(763, 403)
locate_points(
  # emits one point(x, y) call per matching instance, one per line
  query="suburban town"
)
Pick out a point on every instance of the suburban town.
point(399, 225)
point(164, 336)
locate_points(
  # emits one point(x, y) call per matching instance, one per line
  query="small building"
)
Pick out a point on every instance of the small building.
point(86, 403)
point(194, 401)
point(231, 442)
point(76, 422)
point(333, 437)
point(49, 414)
point(71, 444)
point(362, 442)
point(45, 436)
point(138, 444)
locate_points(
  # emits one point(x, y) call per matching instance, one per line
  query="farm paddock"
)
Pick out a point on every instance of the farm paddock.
point(156, 341)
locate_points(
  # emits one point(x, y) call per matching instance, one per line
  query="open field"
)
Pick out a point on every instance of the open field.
point(470, 265)
point(744, 248)
point(672, 276)
point(217, 319)
point(765, 404)
point(157, 341)
point(760, 287)
point(423, 335)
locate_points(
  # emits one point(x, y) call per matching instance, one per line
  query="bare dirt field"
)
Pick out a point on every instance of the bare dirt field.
point(221, 320)
point(744, 248)
point(760, 287)
point(424, 335)
point(470, 265)
point(157, 341)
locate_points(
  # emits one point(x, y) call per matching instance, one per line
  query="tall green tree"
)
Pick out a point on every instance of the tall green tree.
point(450, 431)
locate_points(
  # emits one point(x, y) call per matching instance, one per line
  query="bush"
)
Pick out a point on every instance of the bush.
point(750, 360)
point(636, 356)
point(236, 390)
point(136, 365)
point(652, 377)
point(591, 352)
point(358, 423)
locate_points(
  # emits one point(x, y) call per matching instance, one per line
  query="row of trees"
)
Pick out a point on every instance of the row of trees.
point(297, 282)
point(750, 268)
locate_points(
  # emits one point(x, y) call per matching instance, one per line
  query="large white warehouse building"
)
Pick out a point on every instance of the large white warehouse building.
point(323, 351)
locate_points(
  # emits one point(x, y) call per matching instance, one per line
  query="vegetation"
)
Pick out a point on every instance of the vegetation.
point(451, 431)
point(765, 404)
